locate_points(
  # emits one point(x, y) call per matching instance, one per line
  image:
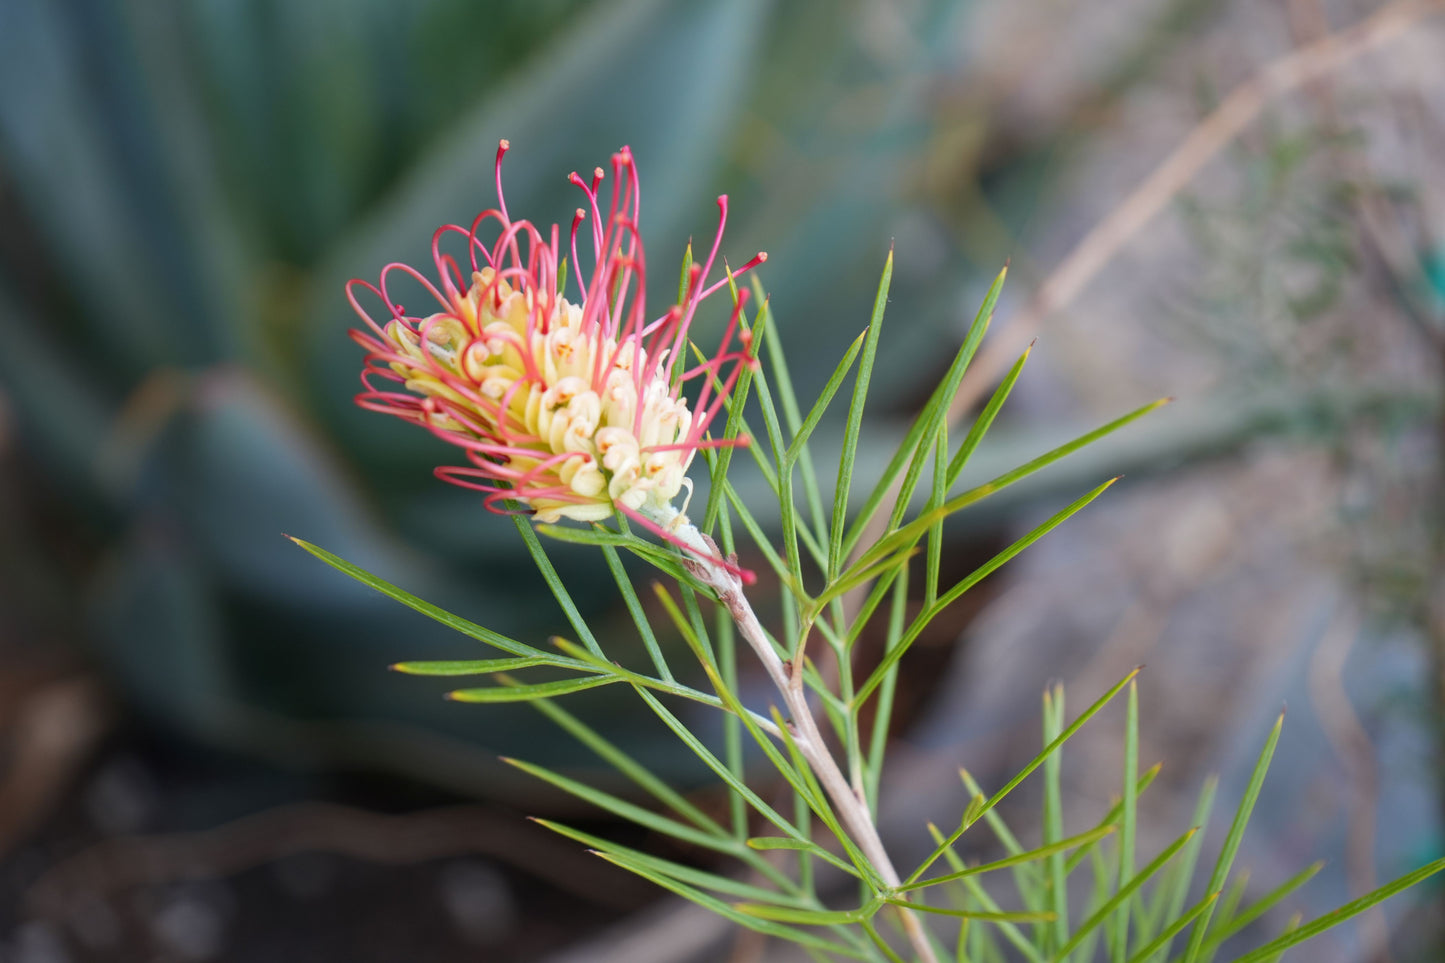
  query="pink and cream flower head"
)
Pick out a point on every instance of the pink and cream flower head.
point(574, 409)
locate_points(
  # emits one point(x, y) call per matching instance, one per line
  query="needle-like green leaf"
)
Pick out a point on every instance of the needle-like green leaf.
point(788, 914)
point(721, 458)
point(635, 771)
point(1174, 889)
point(1032, 855)
point(527, 693)
point(1054, 746)
point(632, 812)
point(687, 874)
point(935, 534)
point(1010, 932)
point(1337, 916)
point(494, 639)
point(855, 421)
point(768, 927)
point(634, 608)
point(1123, 893)
point(1231, 924)
point(995, 916)
point(682, 278)
point(1129, 812)
point(1053, 818)
point(820, 407)
point(878, 743)
point(985, 419)
point(925, 424)
point(1161, 943)
point(469, 666)
point(1111, 818)
point(1235, 837)
point(1027, 879)
point(977, 575)
point(915, 529)
point(935, 416)
point(798, 453)
point(559, 591)
point(720, 768)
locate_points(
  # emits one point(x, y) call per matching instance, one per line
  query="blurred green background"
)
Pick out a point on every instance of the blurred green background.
point(186, 186)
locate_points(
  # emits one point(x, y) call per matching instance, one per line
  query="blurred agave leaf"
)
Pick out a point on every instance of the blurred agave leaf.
point(98, 189)
point(159, 629)
point(180, 647)
point(188, 169)
point(239, 473)
point(322, 105)
point(64, 414)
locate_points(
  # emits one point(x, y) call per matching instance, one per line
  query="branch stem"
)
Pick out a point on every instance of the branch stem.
point(852, 806)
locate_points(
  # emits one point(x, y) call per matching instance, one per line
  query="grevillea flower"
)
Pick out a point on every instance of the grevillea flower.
point(571, 408)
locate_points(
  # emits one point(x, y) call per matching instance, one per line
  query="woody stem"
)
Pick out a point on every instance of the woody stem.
point(851, 807)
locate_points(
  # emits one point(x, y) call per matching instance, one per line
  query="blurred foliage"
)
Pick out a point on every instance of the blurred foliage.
point(185, 189)
point(186, 186)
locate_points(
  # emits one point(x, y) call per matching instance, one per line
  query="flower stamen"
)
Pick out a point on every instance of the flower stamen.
point(570, 410)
